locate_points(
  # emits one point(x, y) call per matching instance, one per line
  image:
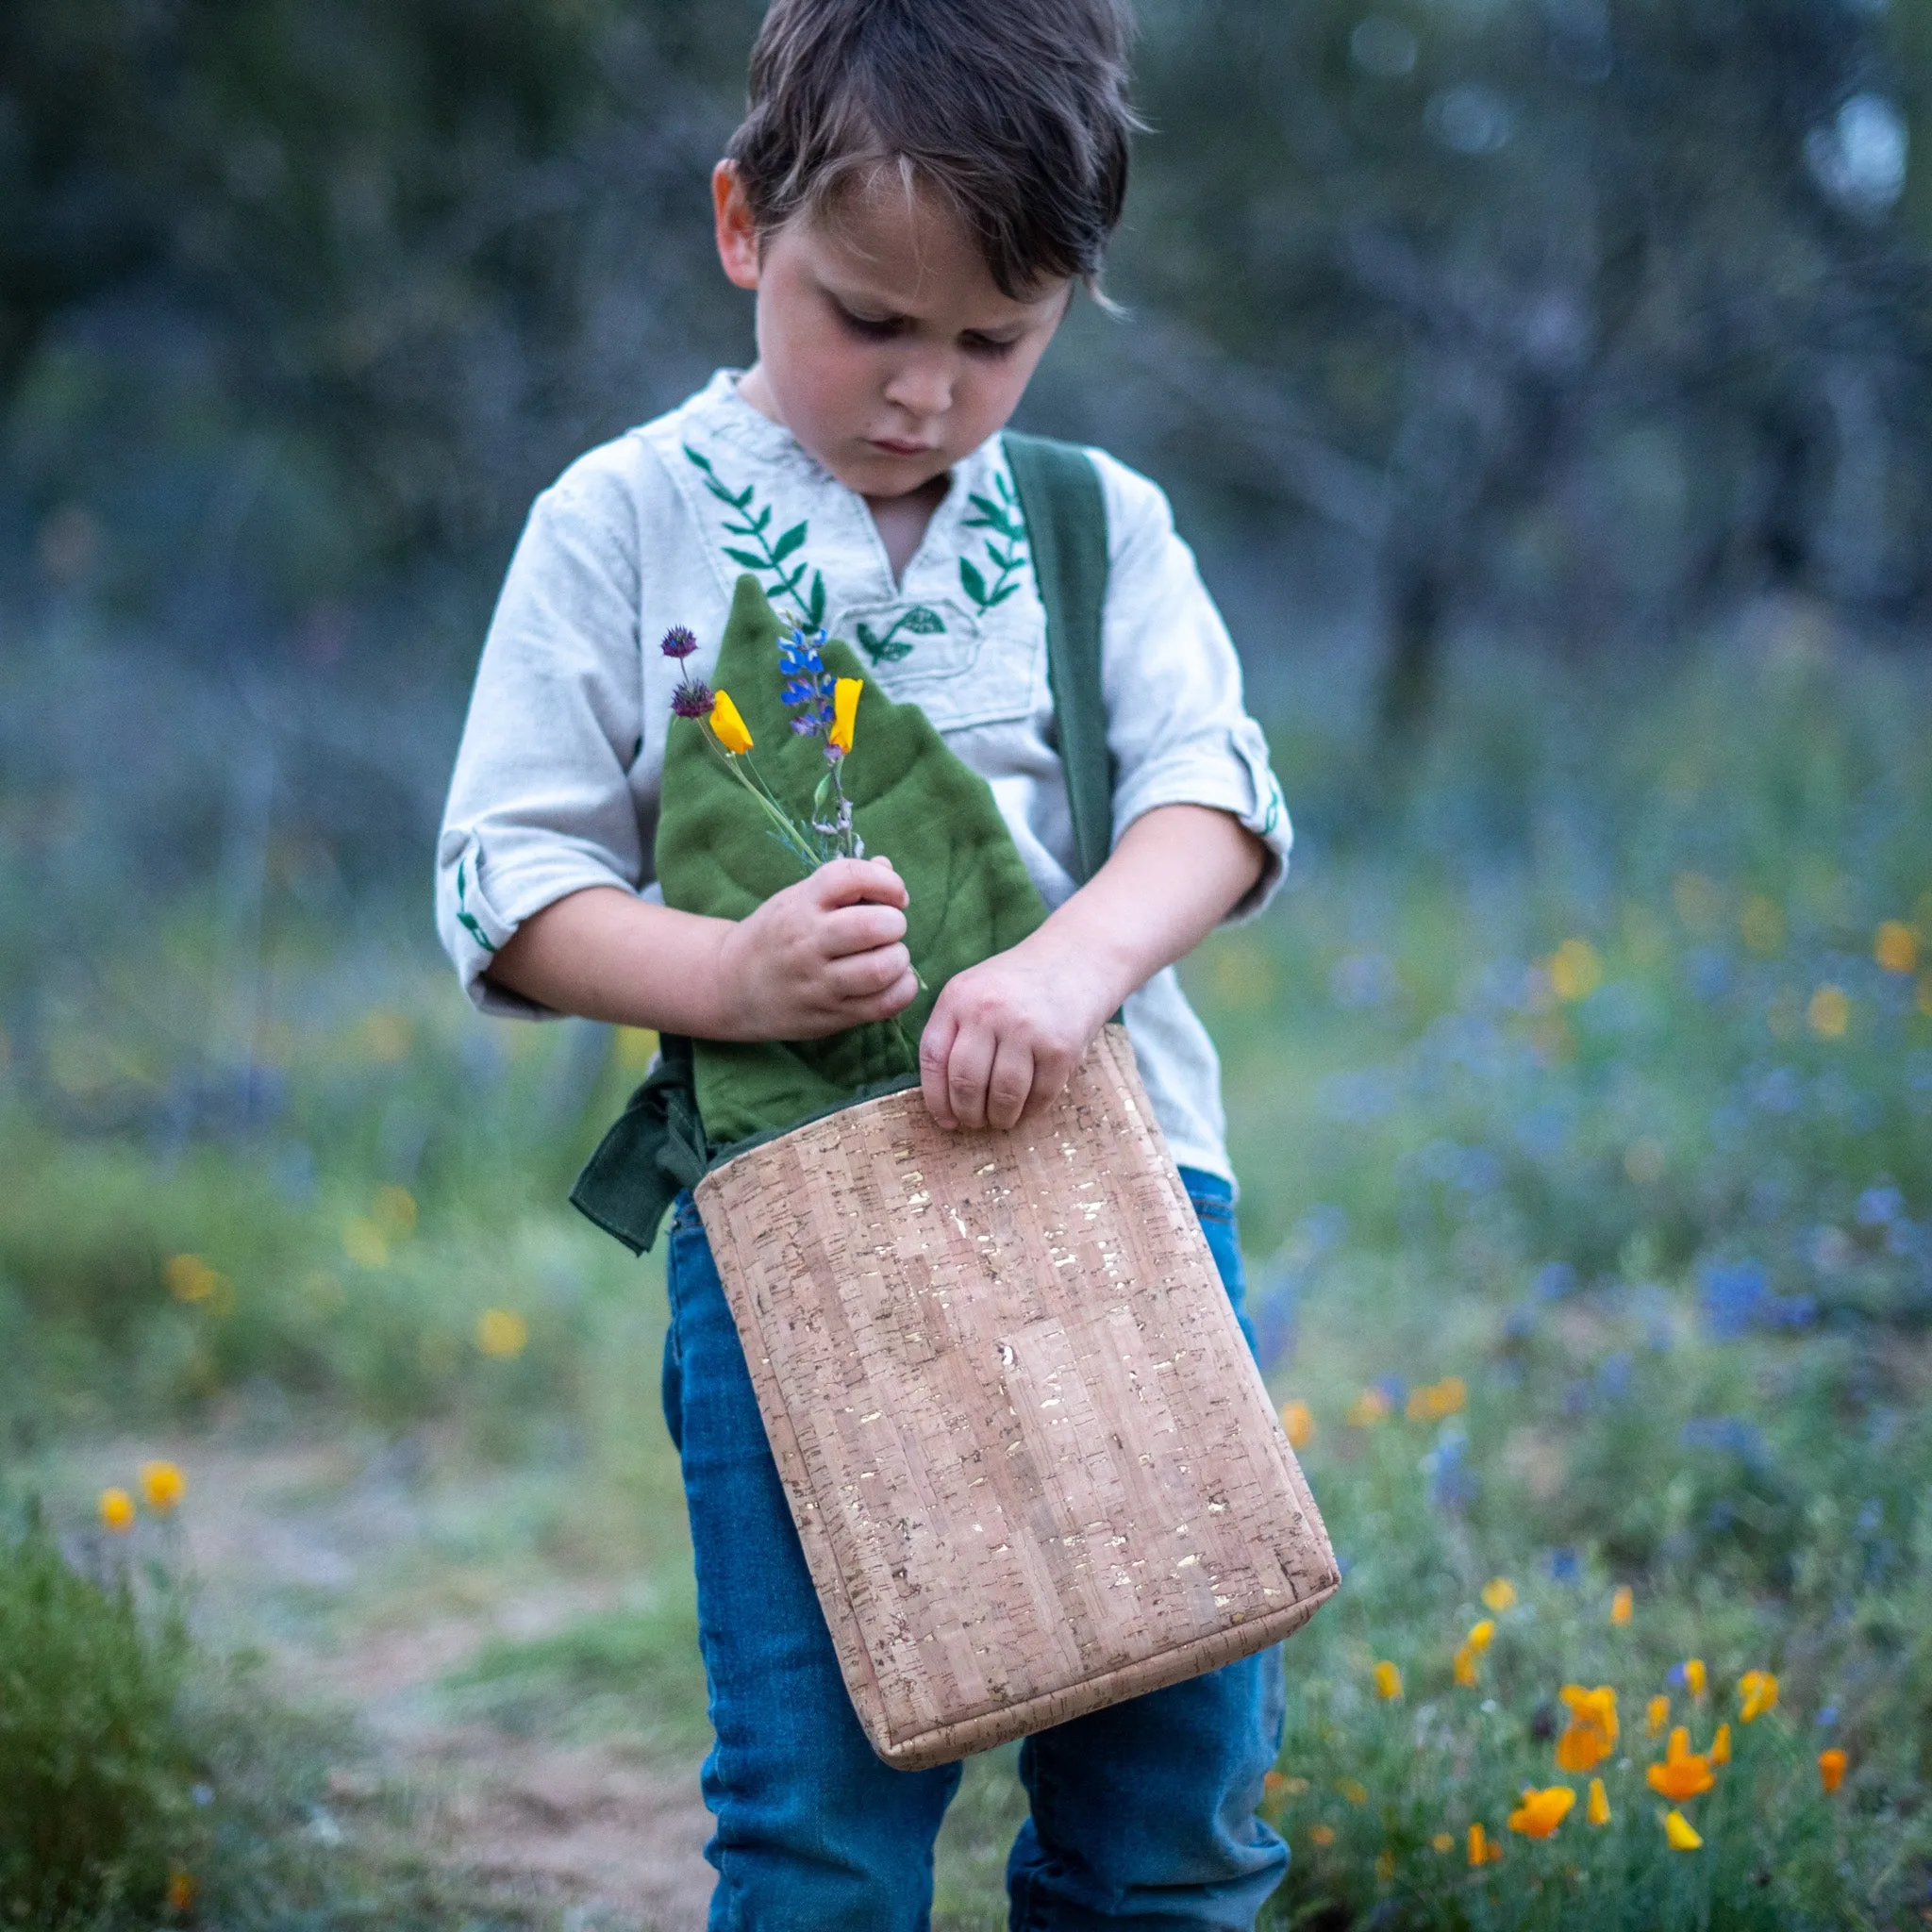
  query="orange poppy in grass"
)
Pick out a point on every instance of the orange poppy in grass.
point(1658, 1714)
point(1598, 1810)
point(1540, 1812)
point(1679, 1829)
point(1695, 1676)
point(1482, 1850)
point(1592, 1733)
point(1832, 1765)
point(1465, 1666)
point(1758, 1691)
point(1623, 1605)
point(1720, 1745)
point(1684, 1774)
point(1388, 1681)
point(117, 1510)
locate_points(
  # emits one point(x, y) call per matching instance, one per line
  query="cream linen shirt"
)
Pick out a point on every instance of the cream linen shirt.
point(556, 781)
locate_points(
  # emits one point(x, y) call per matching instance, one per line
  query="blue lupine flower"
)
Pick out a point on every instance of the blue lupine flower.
point(1554, 1280)
point(1724, 1435)
point(1564, 1566)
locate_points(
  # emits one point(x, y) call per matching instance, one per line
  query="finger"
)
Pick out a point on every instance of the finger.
point(860, 930)
point(1051, 1073)
point(1008, 1084)
point(968, 1067)
point(857, 881)
point(935, 1050)
point(865, 976)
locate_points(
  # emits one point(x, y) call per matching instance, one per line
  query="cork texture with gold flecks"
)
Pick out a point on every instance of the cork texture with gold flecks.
point(1032, 1463)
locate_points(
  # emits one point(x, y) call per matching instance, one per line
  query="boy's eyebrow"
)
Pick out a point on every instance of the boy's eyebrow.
point(880, 307)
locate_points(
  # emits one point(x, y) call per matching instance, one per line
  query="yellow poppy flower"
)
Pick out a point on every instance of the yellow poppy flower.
point(1720, 1745)
point(1896, 946)
point(1590, 1734)
point(1758, 1691)
point(502, 1333)
point(117, 1510)
point(1388, 1681)
point(728, 726)
point(1694, 1677)
point(1498, 1594)
point(1298, 1421)
point(1481, 1852)
point(1323, 1833)
point(844, 711)
point(1658, 1714)
point(164, 1485)
point(1540, 1812)
point(1481, 1633)
point(1684, 1774)
point(1354, 1791)
point(1622, 1605)
point(1465, 1666)
point(1831, 1768)
point(1678, 1830)
point(1367, 1408)
point(181, 1892)
point(1598, 1810)
point(1445, 1841)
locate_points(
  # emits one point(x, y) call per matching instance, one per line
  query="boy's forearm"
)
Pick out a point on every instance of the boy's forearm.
point(1177, 873)
point(608, 956)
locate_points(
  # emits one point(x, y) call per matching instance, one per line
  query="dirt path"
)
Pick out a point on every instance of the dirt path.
point(367, 1586)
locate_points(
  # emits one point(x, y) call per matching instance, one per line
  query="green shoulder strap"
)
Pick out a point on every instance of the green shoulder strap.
point(659, 1143)
point(1066, 524)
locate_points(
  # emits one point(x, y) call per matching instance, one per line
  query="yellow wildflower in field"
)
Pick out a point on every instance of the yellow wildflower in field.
point(1576, 971)
point(1367, 1408)
point(117, 1510)
point(181, 1892)
point(502, 1333)
point(1684, 1774)
point(395, 1212)
point(1678, 1830)
point(1481, 1851)
point(1695, 1677)
point(1623, 1606)
point(1761, 924)
point(190, 1278)
point(1445, 1841)
point(1590, 1734)
point(1829, 1013)
point(844, 711)
point(1541, 1812)
point(1298, 1421)
point(1896, 946)
point(1465, 1666)
point(728, 726)
point(1498, 1594)
point(1354, 1791)
point(1388, 1681)
point(1758, 1691)
point(1598, 1810)
point(1831, 1768)
point(1657, 1714)
point(1481, 1634)
point(1720, 1745)
point(1432, 1401)
point(164, 1485)
point(1323, 1835)
point(1385, 1867)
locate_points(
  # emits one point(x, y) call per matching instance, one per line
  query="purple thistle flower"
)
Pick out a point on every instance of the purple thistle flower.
point(679, 642)
point(692, 699)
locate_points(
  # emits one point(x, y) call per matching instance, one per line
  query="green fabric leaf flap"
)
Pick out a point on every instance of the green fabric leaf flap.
point(914, 801)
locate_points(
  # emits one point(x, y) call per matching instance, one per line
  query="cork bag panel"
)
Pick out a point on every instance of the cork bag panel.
point(1032, 1464)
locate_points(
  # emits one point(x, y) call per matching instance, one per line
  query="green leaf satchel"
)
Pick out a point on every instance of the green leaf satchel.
point(913, 799)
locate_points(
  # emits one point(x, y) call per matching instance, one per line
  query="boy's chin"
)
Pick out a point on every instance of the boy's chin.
point(876, 473)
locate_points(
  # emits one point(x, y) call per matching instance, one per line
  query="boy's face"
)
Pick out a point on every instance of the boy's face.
point(885, 346)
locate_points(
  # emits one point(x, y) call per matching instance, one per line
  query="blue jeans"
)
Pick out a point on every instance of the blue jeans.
point(1141, 1814)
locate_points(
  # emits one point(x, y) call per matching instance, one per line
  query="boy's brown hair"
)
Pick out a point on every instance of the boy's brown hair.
point(1014, 111)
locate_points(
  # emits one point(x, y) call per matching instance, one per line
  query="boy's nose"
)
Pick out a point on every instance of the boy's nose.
point(922, 386)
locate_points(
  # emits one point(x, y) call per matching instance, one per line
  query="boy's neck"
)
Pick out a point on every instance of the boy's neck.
point(901, 520)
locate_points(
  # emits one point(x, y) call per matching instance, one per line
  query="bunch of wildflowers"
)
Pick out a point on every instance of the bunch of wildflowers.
point(830, 833)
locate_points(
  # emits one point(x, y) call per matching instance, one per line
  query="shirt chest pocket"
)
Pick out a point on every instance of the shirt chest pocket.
point(960, 666)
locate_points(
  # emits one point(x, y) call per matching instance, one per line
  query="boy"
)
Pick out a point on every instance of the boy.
point(918, 188)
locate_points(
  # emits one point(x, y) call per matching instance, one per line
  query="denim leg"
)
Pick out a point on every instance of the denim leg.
point(813, 1830)
point(1144, 1812)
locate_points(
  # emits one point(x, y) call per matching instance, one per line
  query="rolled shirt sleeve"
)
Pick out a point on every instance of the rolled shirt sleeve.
point(541, 803)
point(1176, 725)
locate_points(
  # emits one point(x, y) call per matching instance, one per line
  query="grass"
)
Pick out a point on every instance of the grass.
point(1581, 1088)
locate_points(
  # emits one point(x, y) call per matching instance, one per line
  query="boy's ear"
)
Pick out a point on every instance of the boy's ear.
point(738, 235)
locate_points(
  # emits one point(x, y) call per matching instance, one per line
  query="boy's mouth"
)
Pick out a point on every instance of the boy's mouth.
point(892, 447)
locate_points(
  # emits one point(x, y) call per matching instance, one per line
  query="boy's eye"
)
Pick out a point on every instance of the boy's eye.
point(871, 328)
point(993, 348)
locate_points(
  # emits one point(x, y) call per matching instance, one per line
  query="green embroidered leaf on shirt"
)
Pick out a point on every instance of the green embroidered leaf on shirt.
point(1004, 519)
point(771, 561)
point(464, 917)
point(889, 649)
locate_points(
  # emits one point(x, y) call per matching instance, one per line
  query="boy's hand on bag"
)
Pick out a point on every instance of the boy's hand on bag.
point(1006, 1034)
point(822, 955)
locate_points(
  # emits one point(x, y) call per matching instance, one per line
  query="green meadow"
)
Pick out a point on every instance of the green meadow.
point(1581, 1090)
